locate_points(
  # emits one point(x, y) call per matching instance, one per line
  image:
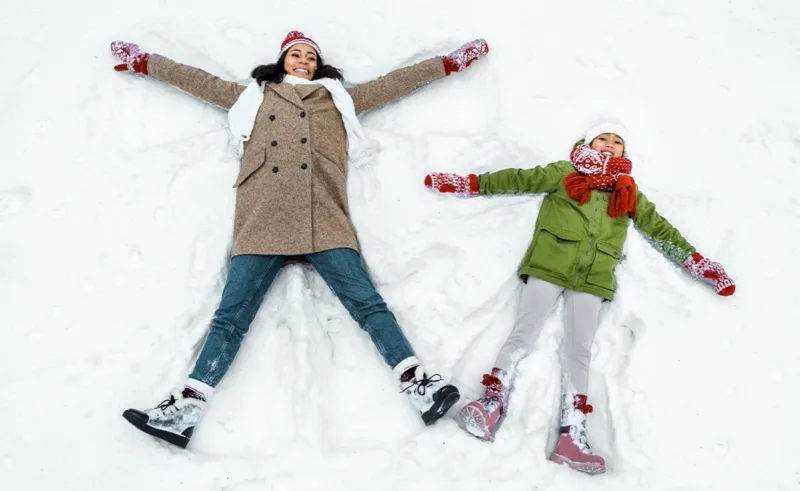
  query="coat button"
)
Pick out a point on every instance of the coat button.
point(303, 114)
point(304, 166)
point(275, 170)
point(303, 140)
point(272, 117)
point(274, 143)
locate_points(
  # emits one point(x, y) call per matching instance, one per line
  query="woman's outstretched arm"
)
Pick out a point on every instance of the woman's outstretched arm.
point(403, 81)
point(199, 83)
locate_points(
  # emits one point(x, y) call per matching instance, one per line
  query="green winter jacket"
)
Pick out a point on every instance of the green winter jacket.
point(576, 246)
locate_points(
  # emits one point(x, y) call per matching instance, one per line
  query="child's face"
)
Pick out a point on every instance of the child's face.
point(608, 144)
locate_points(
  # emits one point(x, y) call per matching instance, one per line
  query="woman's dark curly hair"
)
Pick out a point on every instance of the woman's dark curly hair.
point(275, 72)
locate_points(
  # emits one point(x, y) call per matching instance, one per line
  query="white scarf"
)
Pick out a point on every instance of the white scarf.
point(361, 149)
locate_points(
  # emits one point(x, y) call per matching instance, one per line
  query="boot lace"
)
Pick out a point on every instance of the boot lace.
point(490, 402)
point(419, 386)
point(494, 388)
point(167, 404)
point(578, 434)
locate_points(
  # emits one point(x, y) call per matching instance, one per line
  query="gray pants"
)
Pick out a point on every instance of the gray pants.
point(582, 316)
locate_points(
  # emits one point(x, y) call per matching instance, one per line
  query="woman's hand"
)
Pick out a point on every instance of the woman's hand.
point(132, 58)
point(464, 56)
point(453, 183)
point(710, 272)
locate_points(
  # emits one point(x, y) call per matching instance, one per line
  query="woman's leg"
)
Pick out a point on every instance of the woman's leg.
point(249, 278)
point(344, 273)
point(174, 420)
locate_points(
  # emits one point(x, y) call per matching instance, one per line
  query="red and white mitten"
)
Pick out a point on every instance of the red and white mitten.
point(464, 56)
point(453, 183)
point(710, 272)
point(133, 59)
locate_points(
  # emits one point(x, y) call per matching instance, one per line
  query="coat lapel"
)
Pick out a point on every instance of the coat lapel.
point(305, 90)
point(287, 92)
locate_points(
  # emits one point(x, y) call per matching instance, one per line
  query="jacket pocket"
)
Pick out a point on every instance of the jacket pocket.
point(555, 250)
point(329, 162)
point(601, 272)
point(250, 163)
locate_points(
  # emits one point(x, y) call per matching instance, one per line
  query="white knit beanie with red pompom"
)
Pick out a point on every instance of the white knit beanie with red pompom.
point(607, 126)
point(297, 37)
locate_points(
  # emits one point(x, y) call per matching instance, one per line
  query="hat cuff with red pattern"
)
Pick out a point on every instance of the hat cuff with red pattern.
point(297, 37)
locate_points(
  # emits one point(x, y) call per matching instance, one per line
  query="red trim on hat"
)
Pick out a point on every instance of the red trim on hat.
point(296, 37)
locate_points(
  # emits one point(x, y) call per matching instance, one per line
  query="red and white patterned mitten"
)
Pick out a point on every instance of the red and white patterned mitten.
point(133, 59)
point(464, 56)
point(453, 183)
point(710, 272)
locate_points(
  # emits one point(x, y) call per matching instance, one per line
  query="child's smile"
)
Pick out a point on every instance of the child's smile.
point(608, 144)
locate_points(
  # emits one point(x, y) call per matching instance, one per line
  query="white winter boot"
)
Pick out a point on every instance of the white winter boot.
point(175, 418)
point(429, 394)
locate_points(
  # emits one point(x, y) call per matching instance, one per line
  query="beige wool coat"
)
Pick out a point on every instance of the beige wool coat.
point(291, 192)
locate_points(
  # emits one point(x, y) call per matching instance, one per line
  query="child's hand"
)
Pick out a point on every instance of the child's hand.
point(132, 58)
point(710, 272)
point(453, 183)
point(464, 56)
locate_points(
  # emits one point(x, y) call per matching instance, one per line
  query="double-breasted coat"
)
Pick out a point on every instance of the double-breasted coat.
point(291, 191)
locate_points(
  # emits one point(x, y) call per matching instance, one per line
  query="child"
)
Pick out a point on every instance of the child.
point(579, 236)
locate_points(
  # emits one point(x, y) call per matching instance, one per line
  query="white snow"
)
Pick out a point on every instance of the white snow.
point(116, 214)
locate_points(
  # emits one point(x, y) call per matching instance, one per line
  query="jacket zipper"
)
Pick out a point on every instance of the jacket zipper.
point(589, 243)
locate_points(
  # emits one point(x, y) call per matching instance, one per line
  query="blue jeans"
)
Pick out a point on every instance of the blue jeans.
point(249, 278)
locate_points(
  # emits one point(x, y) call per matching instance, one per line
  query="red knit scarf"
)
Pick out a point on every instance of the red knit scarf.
point(596, 171)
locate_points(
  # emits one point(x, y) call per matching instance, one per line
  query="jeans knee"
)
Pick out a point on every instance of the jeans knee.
point(227, 328)
point(368, 307)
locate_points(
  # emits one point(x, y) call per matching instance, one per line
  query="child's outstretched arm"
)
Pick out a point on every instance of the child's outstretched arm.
point(671, 243)
point(507, 181)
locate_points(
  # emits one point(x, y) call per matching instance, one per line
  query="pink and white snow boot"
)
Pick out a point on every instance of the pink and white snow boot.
point(482, 418)
point(573, 449)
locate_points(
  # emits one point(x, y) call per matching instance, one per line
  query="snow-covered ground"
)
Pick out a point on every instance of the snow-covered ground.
point(116, 213)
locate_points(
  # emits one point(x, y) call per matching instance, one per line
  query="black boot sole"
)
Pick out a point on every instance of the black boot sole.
point(139, 419)
point(443, 400)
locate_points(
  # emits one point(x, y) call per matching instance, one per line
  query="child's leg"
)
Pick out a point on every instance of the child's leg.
point(582, 316)
point(483, 417)
point(536, 303)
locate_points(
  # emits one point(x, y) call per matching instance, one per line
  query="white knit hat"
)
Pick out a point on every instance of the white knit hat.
point(607, 126)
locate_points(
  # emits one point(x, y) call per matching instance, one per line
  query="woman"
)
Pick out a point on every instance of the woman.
point(296, 129)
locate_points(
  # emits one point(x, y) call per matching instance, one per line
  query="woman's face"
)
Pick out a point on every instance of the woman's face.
point(608, 144)
point(301, 61)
